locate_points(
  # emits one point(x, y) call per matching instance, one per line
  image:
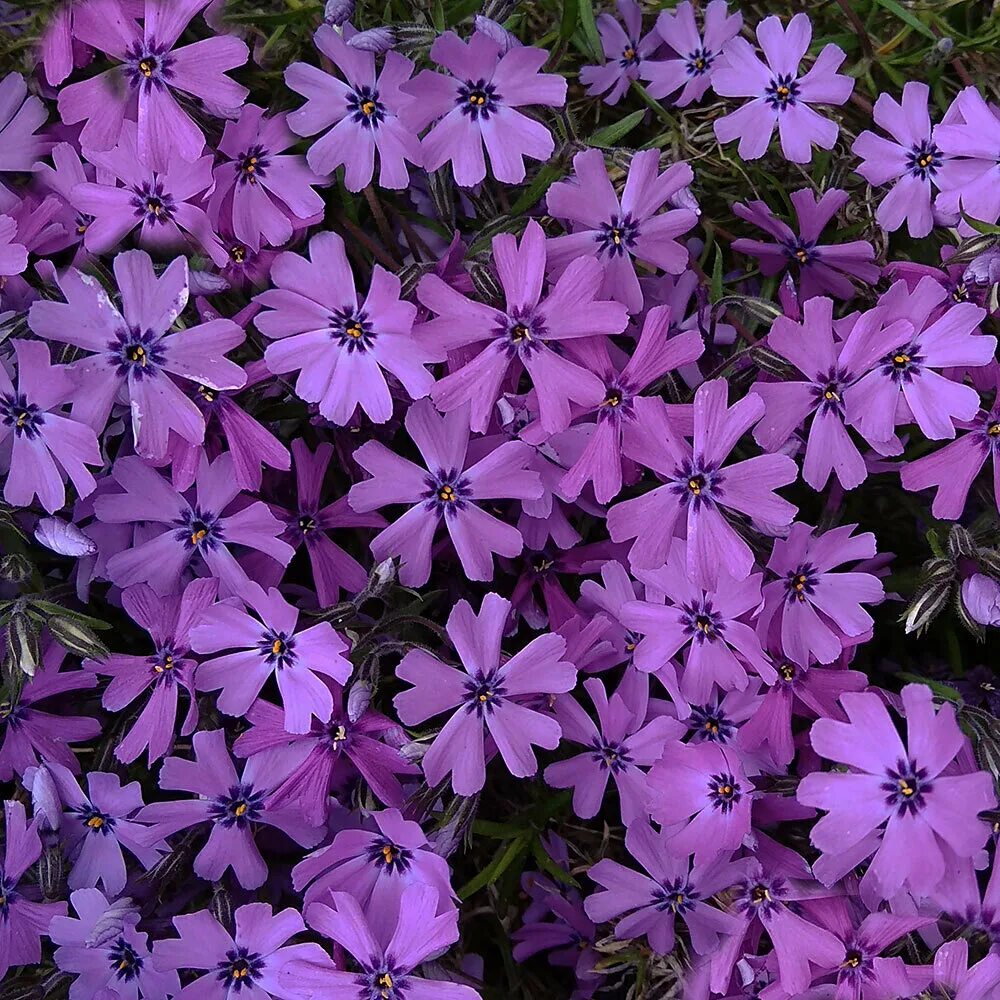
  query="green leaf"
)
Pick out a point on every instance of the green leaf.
point(590, 33)
point(986, 228)
point(536, 190)
point(715, 292)
point(570, 18)
point(907, 18)
point(941, 690)
point(549, 866)
point(502, 860)
point(611, 135)
point(48, 608)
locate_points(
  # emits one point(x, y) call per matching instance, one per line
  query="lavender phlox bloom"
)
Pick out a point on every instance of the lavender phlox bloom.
point(21, 116)
point(981, 599)
point(627, 51)
point(953, 976)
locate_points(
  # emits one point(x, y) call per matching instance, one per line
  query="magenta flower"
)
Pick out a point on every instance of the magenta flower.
point(519, 335)
point(103, 947)
point(778, 94)
point(696, 56)
point(816, 611)
point(260, 190)
point(165, 204)
point(182, 532)
point(367, 113)
point(910, 159)
point(97, 826)
point(477, 101)
point(619, 232)
point(624, 417)
point(21, 116)
point(821, 268)
point(719, 647)
point(135, 351)
point(981, 599)
point(269, 644)
point(698, 485)
point(386, 953)
point(234, 804)
point(897, 803)
point(672, 888)
point(488, 697)
point(149, 69)
point(953, 975)
point(46, 445)
point(376, 866)
point(24, 921)
point(447, 489)
point(168, 620)
point(253, 960)
point(618, 749)
point(343, 347)
point(13, 254)
point(702, 791)
point(627, 50)
point(902, 384)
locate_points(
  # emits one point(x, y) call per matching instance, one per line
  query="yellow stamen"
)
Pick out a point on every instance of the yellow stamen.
point(240, 810)
point(388, 855)
point(447, 494)
point(197, 536)
point(368, 108)
point(146, 68)
point(95, 822)
point(694, 485)
point(993, 430)
point(901, 359)
point(277, 647)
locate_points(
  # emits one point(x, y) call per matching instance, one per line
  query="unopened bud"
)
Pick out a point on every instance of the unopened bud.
point(373, 40)
point(338, 11)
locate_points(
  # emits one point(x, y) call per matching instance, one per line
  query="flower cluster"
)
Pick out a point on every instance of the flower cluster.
point(437, 536)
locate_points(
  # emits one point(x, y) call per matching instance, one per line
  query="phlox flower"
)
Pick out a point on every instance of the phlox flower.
point(627, 51)
point(21, 116)
point(981, 599)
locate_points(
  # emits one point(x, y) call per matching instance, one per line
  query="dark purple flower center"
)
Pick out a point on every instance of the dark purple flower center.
point(828, 391)
point(709, 724)
point(306, 523)
point(699, 62)
point(521, 333)
point(252, 164)
point(384, 983)
point(788, 673)
point(782, 92)
point(199, 529)
point(960, 293)
point(856, 964)
point(905, 787)
point(617, 237)
point(903, 365)
point(277, 649)
point(24, 417)
point(163, 662)
point(610, 755)
point(696, 483)
point(352, 330)
point(923, 160)
point(801, 252)
point(483, 695)
point(630, 55)
point(95, 821)
point(239, 808)
point(152, 204)
point(240, 969)
point(724, 792)
point(761, 895)
point(677, 896)
point(702, 623)
point(338, 735)
point(136, 354)
point(991, 433)
point(389, 857)
point(126, 962)
point(8, 894)
point(447, 492)
point(617, 403)
point(148, 65)
point(800, 583)
point(477, 99)
point(365, 108)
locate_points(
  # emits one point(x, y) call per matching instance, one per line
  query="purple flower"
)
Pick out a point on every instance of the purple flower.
point(896, 802)
point(30, 735)
point(233, 804)
point(955, 977)
point(519, 335)
point(311, 525)
point(199, 532)
point(104, 949)
point(902, 384)
point(701, 790)
point(270, 644)
point(671, 889)
point(164, 204)
point(831, 366)
point(447, 490)
point(778, 94)
point(21, 116)
point(698, 485)
point(13, 254)
point(477, 102)
point(910, 158)
point(322, 755)
point(251, 961)
point(343, 347)
point(821, 268)
point(149, 69)
point(375, 867)
point(22, 921)
point(168, 620)
point(697, 56)
point(260, 190)
point(386, 952)
point(488, 697)
point(616, 750)
point(618, 232)
point(366, 112)
point(815, 611)
point(135, 352)
point(981, 599)
point(628, 53)
point(46, 445)
point(719, 647)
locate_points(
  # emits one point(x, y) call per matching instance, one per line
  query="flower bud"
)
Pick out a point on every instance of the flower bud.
point(373, 40)
point(338, 11)
point(981, 599)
